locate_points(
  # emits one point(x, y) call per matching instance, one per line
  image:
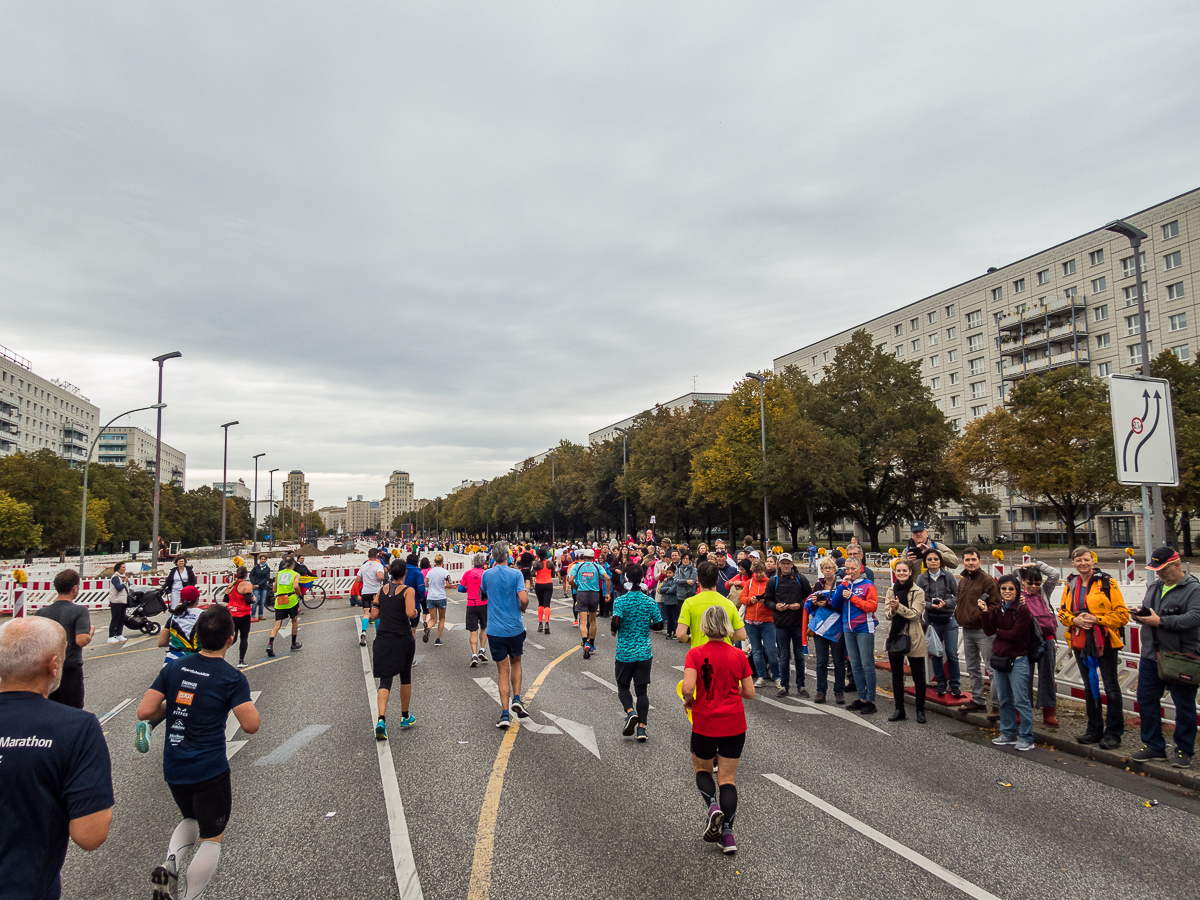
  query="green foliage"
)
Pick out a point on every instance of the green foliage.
point(52, 489)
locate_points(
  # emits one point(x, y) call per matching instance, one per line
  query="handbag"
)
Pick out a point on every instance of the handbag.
point(1178, 668)
point(899, 645)
point(1002, 663)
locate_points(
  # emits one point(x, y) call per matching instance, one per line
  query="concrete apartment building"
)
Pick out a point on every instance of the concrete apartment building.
point(362, 514)
point(397, 498)
point(1073, 304)
point(295, 493)
point(37, 413)
point(127, 445)
point(684, 402)
point(233, 488)
point(333, 517)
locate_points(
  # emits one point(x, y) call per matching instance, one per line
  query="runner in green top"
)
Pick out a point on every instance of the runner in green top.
point(693, 609)
point(287, 604)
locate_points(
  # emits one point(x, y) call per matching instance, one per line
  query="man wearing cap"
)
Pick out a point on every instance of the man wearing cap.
point(725, 569)
point(920, 544)
point(786, 592)
point(587, 579)
point(1171, 624)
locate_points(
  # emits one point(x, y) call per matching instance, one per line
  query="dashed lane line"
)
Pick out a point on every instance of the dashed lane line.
point(116, 709)
point(956, 881)
point(403, 863)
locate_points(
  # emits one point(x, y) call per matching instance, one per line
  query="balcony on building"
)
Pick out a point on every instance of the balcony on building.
point(1043, 336)
point(10, 418)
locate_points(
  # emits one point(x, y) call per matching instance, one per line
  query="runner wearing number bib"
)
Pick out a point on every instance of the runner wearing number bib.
point(287, 604)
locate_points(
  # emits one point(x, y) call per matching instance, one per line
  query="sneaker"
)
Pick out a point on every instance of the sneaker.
point(121, 638)
point(474, 660)
point(1146, 754)
point(759, 682)
point(1110, 743)
point(641, 733)
point(587, 651)
point(381, 730)
point(728, 842)
point(114, 640)
point(856, 705)
point(547, 631)
point(270, 651)
point(362, 639)
point(802, 692)
point(1003, 741)
point(241, 664)
point(518, 707)
point(408, 721)
point(296, 645)
point(539, 627)
point(782, 692)
point(505, 720)
point(141, 738)
point(1024, 745)
point(482, 656)
point(425, 636)
point(437, 642)
point(869, 709)
point(716, 818)
point(631, 723)
point(165, 881)
point(1181, 760)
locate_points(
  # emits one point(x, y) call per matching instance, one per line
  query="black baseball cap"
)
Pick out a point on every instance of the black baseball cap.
point(919, 526)
point(1162, 557)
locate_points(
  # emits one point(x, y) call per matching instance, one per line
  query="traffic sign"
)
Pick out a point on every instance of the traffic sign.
point(1143, 430)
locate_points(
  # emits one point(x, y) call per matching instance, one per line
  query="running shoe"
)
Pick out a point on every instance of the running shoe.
point(587, 651)
point(296, 645)
point(1003, 741)
point(1147, 754)
point(539, 627)
point(425, 636)
point(437, 642)
point(728, 841)
point(631, 722)
point(712, 831)
point(116, 640)
point(362, 639)
point(241, 664)
point(381, 730)
point(547, 631)
point(482, 656)
point(505, 720)
point(641, 733)
point(758, 682)
point(270, 650)
point(518, 707)
point(408, 721)
point(141, 737)
point(1024, 745)
point(165, 881)
point(474, 660)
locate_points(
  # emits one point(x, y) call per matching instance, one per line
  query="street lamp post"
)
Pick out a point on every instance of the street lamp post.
point(762, 422)
point(624, 499)
point(552, 499)
point(86, 464)
point(271, 506)
point(225, 483)
point(1151, 515)
point(254, 518)
point(158, 459)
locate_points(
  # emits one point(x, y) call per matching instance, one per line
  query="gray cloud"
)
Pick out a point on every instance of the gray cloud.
point(441, 237)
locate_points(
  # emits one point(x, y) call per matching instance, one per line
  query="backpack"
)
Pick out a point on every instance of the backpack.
point(1037, 643)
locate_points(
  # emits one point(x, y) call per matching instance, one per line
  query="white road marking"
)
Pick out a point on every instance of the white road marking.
point(883, 840)
point(292, 745)
point(231, 723)
point(792, 709)
point(116, 709)
point(232, 747)
point(841, 714)
point(585, 734)
point(677, 668)
point(493, 690)
point(608, 684)
point(539, 646)
point(407, 880)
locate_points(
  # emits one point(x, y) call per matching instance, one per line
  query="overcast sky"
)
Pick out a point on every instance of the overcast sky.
point(439, 237)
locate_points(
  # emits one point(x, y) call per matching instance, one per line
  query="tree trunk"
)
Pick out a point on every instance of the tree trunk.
point(873, 529)
point(1186, 523)
point(812, 525)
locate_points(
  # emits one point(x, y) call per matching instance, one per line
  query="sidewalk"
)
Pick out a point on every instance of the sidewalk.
point(1070, 714)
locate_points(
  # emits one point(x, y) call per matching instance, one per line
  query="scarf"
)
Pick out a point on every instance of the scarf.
point(901, 589)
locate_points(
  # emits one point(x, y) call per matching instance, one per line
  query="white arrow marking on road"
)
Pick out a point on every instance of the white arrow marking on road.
point(677, 668)
point(231, 723)
point(493, 690)
point(232, 747)
point(539, 646)
point(582, 733)
point(841, 714)
point(612, 687)
point(791, 709)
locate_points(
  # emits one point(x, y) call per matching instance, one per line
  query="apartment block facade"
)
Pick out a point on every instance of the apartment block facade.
point(295, 493)
point(1073, 304)
point(127, 445)
point(397, 498)
point(38, 413)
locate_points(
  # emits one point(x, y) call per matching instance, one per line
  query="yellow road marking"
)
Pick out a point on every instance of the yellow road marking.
point(259, 631)
point(267, 663)
point(485, 835)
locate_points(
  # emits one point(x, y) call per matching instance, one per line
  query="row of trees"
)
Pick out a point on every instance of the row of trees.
point(41, 495)
point(867, 441)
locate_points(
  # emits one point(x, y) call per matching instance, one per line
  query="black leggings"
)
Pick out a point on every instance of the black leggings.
point(544, 593)
point(917, 665)
point(643, 700)
point(241, 624)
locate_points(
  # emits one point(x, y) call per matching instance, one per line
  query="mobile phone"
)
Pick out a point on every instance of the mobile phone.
point(1143, 612)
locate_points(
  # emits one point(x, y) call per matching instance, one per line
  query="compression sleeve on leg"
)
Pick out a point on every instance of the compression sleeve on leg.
point(185, 835)
point(707, 786)
point(202, 868)
point(729, 800)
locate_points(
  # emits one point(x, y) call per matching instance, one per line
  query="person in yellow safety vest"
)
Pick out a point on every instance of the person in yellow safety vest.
point(287, 604)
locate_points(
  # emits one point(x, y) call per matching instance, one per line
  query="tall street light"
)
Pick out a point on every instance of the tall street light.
point(254, 518)
point(624, 499)
point(158, 458)
point(86, 463)
point(552, 498)
point(1153, 516)
point(271, 507)
point(225, 483)
point(762, 422)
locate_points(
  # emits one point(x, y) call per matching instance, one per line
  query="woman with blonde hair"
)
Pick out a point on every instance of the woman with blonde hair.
point(716, 679)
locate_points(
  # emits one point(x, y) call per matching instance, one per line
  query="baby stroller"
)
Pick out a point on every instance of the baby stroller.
point(143, 604)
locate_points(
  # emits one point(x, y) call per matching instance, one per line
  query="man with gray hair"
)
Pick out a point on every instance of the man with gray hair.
point(503, 588)
point(56, 778)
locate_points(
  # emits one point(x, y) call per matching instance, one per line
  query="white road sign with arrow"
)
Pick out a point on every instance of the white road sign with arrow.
point(1143, 430)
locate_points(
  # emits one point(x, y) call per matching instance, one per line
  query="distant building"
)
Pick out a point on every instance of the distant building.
point(233, 488)
point(295, 493)
point(333, 517)
point(397, 498)
point(40, 414)
point(467, 484)
point(127, 445)
point(362, 514)
point(263, 510)
point(684, 402)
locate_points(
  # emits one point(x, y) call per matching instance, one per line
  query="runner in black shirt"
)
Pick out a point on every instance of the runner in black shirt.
point(395, 645)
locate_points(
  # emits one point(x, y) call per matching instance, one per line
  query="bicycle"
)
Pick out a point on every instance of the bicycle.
point(314, 595)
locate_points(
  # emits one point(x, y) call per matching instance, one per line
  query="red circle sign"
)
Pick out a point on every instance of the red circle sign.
point(1137, 426)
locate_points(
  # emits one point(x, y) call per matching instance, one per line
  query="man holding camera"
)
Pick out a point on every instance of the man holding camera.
point(920, 543)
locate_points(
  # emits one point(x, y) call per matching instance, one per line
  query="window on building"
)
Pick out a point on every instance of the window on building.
point(1071, 292)
point(931, 317)
point(1043, 277)
point(1096, 257)
point(975, 343)
point(1135, 352)
point(1132, 325)
point(997, 294)
point(1103, 340)
point(1178, 321)
point(1181, 353)
point(1099, 285)
point(899, 349)
point(954, 398)
point(931, 339)
point(957, 424)
point(1127, 267)
point(1104, 369)
point(935, 382)
point(952, 355)
point(1131, 294)
point(951, 332)
point(935, 361)
point(1175, 291)
point(978, 389)
point(916, 345)
point(977, 411)
point(814, 362)
point(975, 319)
point(1170, 230)
point(1173, 260)
point(1019, 286)
point(1069, 267)
point(975, 366)
point(824, 356)
point(949, 310)
point(953, 378)
point(898, 329)
point(1002, 392)
point(999, 367)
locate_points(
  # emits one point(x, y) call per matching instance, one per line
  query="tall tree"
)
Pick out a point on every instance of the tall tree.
point(52, 489)
point(1181, 503)
point(19, 533)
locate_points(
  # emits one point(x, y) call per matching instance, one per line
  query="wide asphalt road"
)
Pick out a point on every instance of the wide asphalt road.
point(831, 804)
